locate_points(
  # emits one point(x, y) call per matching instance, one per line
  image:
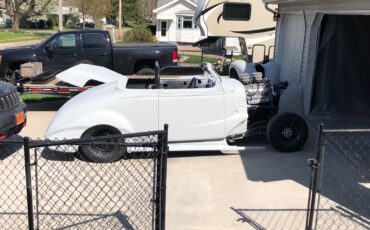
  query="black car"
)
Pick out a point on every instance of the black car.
point(87, 25)
point(66, 49)
point(12, 111)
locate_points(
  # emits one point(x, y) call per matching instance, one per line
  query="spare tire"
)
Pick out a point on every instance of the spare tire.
point(287, 132)
point(101, 153)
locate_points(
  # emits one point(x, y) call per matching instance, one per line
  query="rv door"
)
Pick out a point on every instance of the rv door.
point(233, 18)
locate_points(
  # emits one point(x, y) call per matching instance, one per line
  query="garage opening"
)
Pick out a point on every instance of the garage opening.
point(342, 76)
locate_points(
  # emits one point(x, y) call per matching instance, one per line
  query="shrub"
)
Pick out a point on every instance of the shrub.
point(152, 29)
point(51, 22)
point(139, 34)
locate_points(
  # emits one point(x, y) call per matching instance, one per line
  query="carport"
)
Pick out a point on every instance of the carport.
point(323, 51)
point(342, 75)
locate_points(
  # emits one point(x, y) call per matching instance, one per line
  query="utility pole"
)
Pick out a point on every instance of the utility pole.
point(60, 13)
point(120, 19)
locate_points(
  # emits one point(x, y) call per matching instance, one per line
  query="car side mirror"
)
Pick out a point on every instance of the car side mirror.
point(49, 47)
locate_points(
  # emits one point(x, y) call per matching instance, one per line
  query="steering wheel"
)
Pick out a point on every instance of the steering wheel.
point(192, 83)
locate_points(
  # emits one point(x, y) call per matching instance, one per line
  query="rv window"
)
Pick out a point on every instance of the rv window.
point(237, 11)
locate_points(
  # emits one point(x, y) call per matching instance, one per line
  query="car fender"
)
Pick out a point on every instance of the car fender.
point(63, 125)
point(242, 67)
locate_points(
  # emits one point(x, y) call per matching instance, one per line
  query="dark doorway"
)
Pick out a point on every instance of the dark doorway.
point(342, 75)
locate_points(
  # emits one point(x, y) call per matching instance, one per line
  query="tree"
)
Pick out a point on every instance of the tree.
point(83, 6)
point(130, 11)
point(17, 9)
point(104, 9)
point(97, 9)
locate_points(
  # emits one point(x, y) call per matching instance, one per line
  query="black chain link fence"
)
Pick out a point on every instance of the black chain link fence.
point(53, 185)
point(340, 181)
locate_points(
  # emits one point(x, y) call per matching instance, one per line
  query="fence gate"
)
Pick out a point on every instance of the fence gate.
point(339, 195)
point(51, 185)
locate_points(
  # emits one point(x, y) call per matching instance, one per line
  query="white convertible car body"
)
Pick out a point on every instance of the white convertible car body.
point(202, 111)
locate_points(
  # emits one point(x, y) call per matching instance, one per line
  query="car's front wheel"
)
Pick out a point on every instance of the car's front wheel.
point(287, 132)
point(102, 153)
point(145, 71)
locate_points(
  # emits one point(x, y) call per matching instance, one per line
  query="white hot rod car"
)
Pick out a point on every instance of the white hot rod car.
point(202, 109)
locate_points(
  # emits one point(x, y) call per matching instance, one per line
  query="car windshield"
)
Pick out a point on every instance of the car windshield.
point(176, 77)
point(212, 72)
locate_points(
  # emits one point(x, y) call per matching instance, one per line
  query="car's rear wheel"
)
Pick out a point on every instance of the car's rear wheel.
point(287, 132)
point(100, 152)
point(145, 71)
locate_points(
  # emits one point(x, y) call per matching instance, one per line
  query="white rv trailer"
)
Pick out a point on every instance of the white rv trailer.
point(322, 49)
point(228, 18)
point(260, 29)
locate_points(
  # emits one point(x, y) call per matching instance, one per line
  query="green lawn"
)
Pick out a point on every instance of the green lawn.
point(9, 37)
point(33, 98)
point(198, 59)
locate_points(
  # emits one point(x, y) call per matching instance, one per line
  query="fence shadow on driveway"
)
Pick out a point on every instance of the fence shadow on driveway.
point(269, 165)
point(287, 219)
point(261, 219)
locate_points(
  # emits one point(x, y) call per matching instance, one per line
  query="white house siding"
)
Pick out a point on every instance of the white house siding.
point(174, 35)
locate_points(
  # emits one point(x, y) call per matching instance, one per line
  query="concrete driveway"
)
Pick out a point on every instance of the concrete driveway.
point(253, 189)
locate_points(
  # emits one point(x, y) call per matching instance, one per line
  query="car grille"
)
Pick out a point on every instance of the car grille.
point(9, 101)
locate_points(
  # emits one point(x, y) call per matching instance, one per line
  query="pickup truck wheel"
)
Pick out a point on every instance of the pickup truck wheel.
point(287, 132)
point(145, 71)
point(101, 153)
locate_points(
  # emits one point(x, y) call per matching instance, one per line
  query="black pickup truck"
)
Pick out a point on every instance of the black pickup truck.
point(65, 49)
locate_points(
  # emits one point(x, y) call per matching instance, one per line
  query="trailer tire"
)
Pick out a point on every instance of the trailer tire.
point(145, 71)
point(102, 153)
point(287, 132)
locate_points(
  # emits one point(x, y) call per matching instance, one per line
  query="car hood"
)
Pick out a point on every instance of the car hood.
point(6, 89)
point(80, 74)
point(17, 49)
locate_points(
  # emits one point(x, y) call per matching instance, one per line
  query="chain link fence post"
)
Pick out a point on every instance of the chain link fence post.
point(27, 161)
point(314, 164)
point(165, 150)
point(162, 179)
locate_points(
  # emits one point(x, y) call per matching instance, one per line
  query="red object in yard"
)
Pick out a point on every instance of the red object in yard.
point(2, 137)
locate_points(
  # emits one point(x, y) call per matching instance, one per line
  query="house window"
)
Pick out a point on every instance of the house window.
point(179, 23)
point(185, 22)
point(163, 28)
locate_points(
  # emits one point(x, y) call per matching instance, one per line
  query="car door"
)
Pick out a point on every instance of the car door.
point(193, 114)
point(96, 49)
point(63, 53)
